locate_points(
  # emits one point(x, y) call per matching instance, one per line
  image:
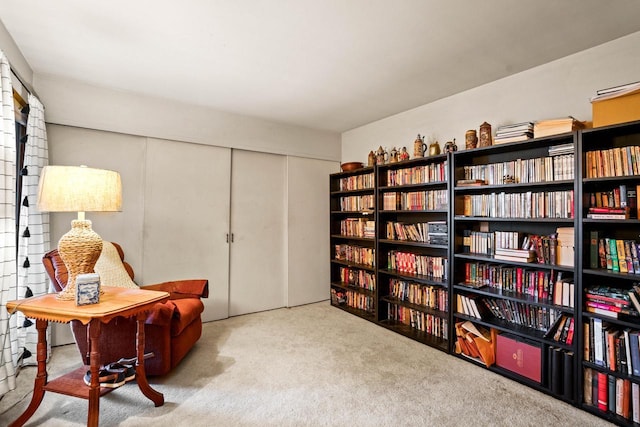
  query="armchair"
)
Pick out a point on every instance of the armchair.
point(171, 329)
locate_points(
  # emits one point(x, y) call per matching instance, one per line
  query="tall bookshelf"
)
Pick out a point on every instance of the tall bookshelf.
point(413, 258)
point(519, 179)
point(610, 163)
point(353, 242)
point(502, 195)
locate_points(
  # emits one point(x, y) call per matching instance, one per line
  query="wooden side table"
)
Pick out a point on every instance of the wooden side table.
point(114, 302)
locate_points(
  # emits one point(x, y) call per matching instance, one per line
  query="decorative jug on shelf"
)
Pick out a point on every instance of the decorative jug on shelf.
point(393, 155)
point(381, 156)
point(450, 146)
point(470, 139)
point(419, 147)
point(371, 160)
point(434, 148)
point(403, 155)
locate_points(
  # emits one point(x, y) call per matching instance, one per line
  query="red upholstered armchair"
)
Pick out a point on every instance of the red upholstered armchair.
point(171, 329)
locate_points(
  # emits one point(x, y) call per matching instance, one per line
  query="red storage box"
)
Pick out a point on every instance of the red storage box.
point(516, 355)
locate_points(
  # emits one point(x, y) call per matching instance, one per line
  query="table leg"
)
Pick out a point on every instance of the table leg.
point(41, 376)
point(93, 416)
point(141, 376)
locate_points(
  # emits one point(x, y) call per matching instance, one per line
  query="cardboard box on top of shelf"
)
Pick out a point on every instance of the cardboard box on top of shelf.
point(621, 109)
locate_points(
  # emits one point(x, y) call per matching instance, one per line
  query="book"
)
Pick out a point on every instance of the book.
point(593, 250)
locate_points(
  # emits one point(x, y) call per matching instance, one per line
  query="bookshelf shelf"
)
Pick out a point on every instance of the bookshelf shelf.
point(489, 259)
point(512, 296)
point(416, 335)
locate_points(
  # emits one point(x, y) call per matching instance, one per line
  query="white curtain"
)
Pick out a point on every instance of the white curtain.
point(33, 234)
point(8, 280)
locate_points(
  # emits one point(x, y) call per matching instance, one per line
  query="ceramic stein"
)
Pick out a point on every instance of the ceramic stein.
point(393, 155)
point(450, 146)
point(371, 160)
point(470, 139)
point(419, 147)
point(381, 156)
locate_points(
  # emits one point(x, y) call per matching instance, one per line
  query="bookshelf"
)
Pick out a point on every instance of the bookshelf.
point(608, 170)
point(484, 203)
point(353, 242)
point(503, 196)
point(413, 249)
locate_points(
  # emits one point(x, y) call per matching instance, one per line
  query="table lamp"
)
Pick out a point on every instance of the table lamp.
point(79, 189)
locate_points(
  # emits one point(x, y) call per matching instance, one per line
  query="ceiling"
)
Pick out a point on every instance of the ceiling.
point(323, 64)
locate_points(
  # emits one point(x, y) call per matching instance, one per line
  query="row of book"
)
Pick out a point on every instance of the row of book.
point(618, 255)
point(357, 182)
point(534, 248)
point(522, 314)
point(612, 302)
point(617, 199)
point(433, 232)
point(353, 299)
point(544, 285)
point(432, 267)
point(355, 254)
point(357, 203)
point(419, 320)
point(618, 161)
point(612, 347)
point(358, 278)
point(358, 227)
point(611, 394)
point(543, 204)
point(433, 172)
point(434, 297)
point(521, 171)
point(562, 330)
point(415, 200)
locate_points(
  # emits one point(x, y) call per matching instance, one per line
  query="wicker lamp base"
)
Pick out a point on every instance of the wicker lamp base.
point(79, 249)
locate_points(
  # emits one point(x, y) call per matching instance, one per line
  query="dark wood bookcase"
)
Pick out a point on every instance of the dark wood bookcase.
point(353, 243)
point(620, 380)
point(413, 253)
point(391, 199)
point(525, 194)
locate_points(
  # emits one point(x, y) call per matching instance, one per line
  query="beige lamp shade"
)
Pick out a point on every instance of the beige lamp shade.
point(79, 189)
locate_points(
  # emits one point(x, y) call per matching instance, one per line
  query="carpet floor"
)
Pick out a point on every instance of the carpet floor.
point(312, 365)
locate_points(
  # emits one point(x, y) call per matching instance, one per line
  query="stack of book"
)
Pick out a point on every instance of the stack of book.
point(550, 127)
point(608, 213)
point(565, 250)
point(518, 255)
point(512, 133)
point(609, 301)
point(437, 233)
point(616, 91)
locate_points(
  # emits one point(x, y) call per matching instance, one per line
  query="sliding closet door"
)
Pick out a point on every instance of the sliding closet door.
point(186, 218)
point(258, 226)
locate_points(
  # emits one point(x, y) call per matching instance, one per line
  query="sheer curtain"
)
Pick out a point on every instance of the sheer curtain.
point(8, 282)
point(34, 229)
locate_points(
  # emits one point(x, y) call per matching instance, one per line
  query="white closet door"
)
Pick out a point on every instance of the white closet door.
point(308, 203)
point(258, 224)
point(186, 218)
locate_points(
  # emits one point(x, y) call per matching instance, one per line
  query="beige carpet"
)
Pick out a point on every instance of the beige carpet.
point(313, 365)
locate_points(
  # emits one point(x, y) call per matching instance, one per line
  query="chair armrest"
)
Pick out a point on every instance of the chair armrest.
point(197, 288)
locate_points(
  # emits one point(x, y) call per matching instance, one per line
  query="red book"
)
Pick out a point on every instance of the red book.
point(602, 391)
point(570, 333)
point(519, 279)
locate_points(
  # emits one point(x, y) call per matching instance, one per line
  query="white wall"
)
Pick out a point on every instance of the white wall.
point(74, 103)
point(557, 89)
